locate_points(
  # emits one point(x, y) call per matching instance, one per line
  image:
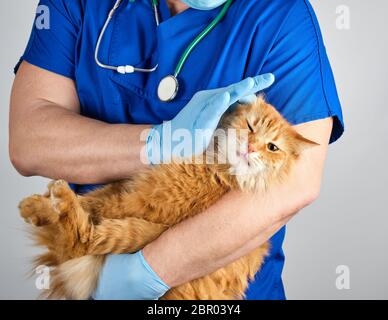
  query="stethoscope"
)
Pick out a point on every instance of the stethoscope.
point(169, 86)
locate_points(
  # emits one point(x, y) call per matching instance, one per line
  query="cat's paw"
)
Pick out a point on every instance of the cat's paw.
point(66, 204)
point(37, 210)
point(62, 197)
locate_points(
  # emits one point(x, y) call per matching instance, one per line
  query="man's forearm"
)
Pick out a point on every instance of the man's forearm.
point(48, 137)
point(54, 142)
point(257, 241)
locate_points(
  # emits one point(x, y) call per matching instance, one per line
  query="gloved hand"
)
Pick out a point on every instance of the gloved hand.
point(204, 112)
point(129, 277)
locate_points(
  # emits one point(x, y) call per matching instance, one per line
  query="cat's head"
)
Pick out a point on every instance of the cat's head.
point(267, 145)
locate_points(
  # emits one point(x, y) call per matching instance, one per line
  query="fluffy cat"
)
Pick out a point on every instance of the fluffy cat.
point(125, 216)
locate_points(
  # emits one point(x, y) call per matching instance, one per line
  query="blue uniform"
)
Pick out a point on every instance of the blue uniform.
point(255, 37)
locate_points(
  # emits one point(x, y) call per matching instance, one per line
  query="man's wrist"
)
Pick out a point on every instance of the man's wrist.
point(154, 145)
point(156, 264)
point(159, 284)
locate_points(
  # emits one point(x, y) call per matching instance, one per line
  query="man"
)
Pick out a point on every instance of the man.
point(74, 120)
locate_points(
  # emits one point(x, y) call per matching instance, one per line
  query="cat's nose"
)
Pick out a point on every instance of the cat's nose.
point(251, 148)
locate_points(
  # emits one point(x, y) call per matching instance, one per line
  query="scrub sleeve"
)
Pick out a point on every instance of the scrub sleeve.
point(54, 49)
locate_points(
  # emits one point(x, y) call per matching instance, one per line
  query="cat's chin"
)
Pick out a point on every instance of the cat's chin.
point(249, 179)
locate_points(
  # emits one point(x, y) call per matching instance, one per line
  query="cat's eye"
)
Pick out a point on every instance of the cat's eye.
point(249, 126)
point(272, 147)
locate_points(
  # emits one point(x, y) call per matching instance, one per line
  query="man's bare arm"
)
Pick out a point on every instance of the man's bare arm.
point(239, 223)
point(48, 136)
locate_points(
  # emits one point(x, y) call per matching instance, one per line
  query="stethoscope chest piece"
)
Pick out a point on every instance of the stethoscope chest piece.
point(168, 88)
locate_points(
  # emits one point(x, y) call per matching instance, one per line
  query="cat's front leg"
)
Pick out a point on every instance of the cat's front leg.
point(74, 223)
point(127, 235)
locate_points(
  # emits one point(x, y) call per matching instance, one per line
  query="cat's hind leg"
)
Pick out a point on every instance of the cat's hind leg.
point(109, 235)
point(63, 226)
point(37, 210)
point(73, 220)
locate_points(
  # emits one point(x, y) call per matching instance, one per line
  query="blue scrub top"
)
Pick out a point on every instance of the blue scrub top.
point(255, 37)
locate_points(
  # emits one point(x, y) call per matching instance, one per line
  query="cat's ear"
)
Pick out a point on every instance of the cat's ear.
point(304, 143)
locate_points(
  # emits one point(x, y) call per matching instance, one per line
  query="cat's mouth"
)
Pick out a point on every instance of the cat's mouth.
point(244, 156)
point(248, 162)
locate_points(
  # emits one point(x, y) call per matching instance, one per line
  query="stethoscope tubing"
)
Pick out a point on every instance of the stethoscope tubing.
point(169, 85)
point(200, 37)
point(185, 55)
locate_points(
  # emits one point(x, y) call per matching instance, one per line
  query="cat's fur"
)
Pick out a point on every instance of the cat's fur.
point(124, 216)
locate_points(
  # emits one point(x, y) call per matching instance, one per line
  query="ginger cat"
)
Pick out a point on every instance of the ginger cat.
point(125, 216)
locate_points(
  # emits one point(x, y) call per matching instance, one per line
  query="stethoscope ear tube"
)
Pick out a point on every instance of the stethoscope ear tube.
point(127, 68)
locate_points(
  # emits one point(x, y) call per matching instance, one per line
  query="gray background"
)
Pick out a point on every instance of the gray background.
point(346, 226)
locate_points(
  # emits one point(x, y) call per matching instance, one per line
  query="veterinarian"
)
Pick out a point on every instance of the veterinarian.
point(80, 104)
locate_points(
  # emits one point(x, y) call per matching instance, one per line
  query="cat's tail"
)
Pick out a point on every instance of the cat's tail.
point(75, 279)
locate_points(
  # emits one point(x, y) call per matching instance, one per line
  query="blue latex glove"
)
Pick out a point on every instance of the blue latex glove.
point(129, 277)
point(204, 111)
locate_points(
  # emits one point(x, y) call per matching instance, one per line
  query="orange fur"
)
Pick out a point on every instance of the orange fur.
point(125, 216)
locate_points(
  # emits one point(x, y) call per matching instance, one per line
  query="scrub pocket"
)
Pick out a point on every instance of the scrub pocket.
point(143, 104)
